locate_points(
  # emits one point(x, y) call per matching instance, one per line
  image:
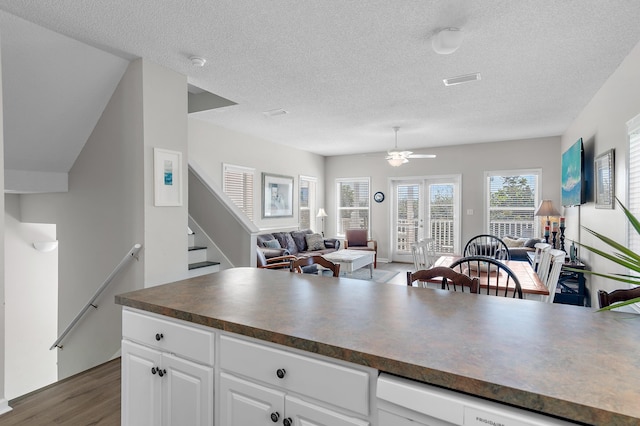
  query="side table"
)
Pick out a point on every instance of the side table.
point(572, 286)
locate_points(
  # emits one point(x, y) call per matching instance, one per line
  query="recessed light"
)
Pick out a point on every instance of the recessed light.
point(461, 79)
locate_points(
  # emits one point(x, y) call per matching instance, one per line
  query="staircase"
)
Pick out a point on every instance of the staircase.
point(199, 264)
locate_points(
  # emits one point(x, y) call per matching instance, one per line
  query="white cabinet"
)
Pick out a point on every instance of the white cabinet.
point(262, 385)
point(167, 372)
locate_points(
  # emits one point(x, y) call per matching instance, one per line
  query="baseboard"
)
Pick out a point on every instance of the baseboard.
point(4, 407)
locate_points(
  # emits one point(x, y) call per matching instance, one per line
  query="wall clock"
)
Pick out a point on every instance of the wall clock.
point(378, 197)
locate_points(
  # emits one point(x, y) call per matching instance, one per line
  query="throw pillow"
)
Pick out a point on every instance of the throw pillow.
point(531, 242)
point(483, 266)
point(315, 242)
point(513, 243)
point(274, 244)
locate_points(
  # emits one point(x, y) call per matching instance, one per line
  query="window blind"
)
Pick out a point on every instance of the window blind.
point(238, 185)
point(353, 204)
point(512, 198)
point(634, 184)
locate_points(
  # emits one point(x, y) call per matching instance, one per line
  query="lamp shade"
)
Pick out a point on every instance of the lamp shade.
point(321, 213)
point(546, 209)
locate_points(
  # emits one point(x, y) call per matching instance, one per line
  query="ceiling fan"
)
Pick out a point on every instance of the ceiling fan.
point(397, 158)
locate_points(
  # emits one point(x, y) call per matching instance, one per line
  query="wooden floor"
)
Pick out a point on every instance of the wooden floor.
point(88, 398)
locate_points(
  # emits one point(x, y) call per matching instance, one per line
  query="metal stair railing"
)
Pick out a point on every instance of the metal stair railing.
point(131, 254)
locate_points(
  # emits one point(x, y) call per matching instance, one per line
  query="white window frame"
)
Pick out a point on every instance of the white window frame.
point(249, 199)
point(633, 187)
point(313, 202)
point(339, 182)
point(514, 172)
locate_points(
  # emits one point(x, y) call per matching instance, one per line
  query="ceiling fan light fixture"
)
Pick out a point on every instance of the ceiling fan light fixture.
point(447, 40)
point(397, 161)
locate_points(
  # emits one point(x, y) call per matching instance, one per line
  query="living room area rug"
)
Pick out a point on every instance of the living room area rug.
point(379, 275)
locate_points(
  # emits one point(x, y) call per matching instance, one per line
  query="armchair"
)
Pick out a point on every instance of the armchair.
point(357, 239)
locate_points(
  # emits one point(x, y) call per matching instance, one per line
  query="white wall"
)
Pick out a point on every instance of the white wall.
point(165, 126)
point(98, 221)
point(31, 298)
point(602, 125)
point(210, 146)
point(4, 405)
point(470, 161)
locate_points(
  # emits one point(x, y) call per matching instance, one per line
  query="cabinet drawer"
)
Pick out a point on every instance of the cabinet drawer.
point(169, 335)
point(328, 382)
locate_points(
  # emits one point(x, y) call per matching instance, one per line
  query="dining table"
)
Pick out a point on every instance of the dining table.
point(532, 287)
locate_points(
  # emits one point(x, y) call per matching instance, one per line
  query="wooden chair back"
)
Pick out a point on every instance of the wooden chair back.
point(488, 246)
point(495, 277)
point(622, 295)
point(540, 247)
point(450, 279)
point(557, 260)
point(424, 254)
point(298, 264)
point(544, 267)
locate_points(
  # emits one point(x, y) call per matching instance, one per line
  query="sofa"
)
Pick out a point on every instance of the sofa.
point(519, 246)
point(297, 243)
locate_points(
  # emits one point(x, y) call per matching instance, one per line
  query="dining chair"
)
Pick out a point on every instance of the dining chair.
point(545, 265)
point(298, 264)
point(450, 278)
point(621, 295)
point(557, 261)
point(488, 246)
point(540, 247)
point(424, 254)
point(277, 262)
point(357, 239)
point(494, 276)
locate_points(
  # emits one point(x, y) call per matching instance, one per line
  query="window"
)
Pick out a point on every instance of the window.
point(353, 204)
point(512, 198)
point(633, 204)
point(237, 183)
point(307, 203)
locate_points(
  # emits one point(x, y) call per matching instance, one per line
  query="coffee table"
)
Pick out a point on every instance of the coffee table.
point(350, 260)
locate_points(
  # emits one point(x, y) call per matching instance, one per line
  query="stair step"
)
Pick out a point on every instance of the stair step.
point(202, 264)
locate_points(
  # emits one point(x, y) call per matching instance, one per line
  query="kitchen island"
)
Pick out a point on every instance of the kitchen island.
point(564, 361)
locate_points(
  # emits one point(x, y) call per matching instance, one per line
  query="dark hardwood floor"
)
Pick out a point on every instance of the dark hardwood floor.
point(88, 398)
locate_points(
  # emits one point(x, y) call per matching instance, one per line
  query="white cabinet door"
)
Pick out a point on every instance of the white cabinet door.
point(141, 396)
point(187, 393)
point(304, 414)
point(243, 403)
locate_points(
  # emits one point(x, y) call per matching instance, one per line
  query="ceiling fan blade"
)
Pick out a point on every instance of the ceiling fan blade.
point(422, 156)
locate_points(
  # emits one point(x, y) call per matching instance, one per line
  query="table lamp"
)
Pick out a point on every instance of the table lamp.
point(546, 209)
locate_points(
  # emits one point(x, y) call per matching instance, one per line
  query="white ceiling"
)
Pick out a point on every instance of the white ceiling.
point(346, 71)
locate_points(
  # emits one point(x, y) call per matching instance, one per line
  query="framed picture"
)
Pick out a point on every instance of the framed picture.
point(167, 177)
point(277, 196)
point(605, 180)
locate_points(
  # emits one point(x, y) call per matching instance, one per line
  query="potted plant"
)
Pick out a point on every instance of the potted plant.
point(623, 257)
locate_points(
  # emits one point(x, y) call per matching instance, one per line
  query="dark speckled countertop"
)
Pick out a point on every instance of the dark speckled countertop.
point(562, 360)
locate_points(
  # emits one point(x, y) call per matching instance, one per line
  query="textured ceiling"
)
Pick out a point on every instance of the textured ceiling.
point(348, 71)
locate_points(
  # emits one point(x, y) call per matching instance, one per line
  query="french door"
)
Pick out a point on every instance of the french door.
point(427, 207)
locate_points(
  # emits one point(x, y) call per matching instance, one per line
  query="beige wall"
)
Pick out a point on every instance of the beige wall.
point(602, 125)
point(210, 146)
point(470, 161)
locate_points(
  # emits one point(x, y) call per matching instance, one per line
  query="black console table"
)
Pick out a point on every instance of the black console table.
point(572, 286)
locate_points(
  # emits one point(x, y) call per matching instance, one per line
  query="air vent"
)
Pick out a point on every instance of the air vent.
point(275, 112)
point(461, 79)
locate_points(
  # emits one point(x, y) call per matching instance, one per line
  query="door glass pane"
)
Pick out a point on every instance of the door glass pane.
point(441, 215)
point(408, 228)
